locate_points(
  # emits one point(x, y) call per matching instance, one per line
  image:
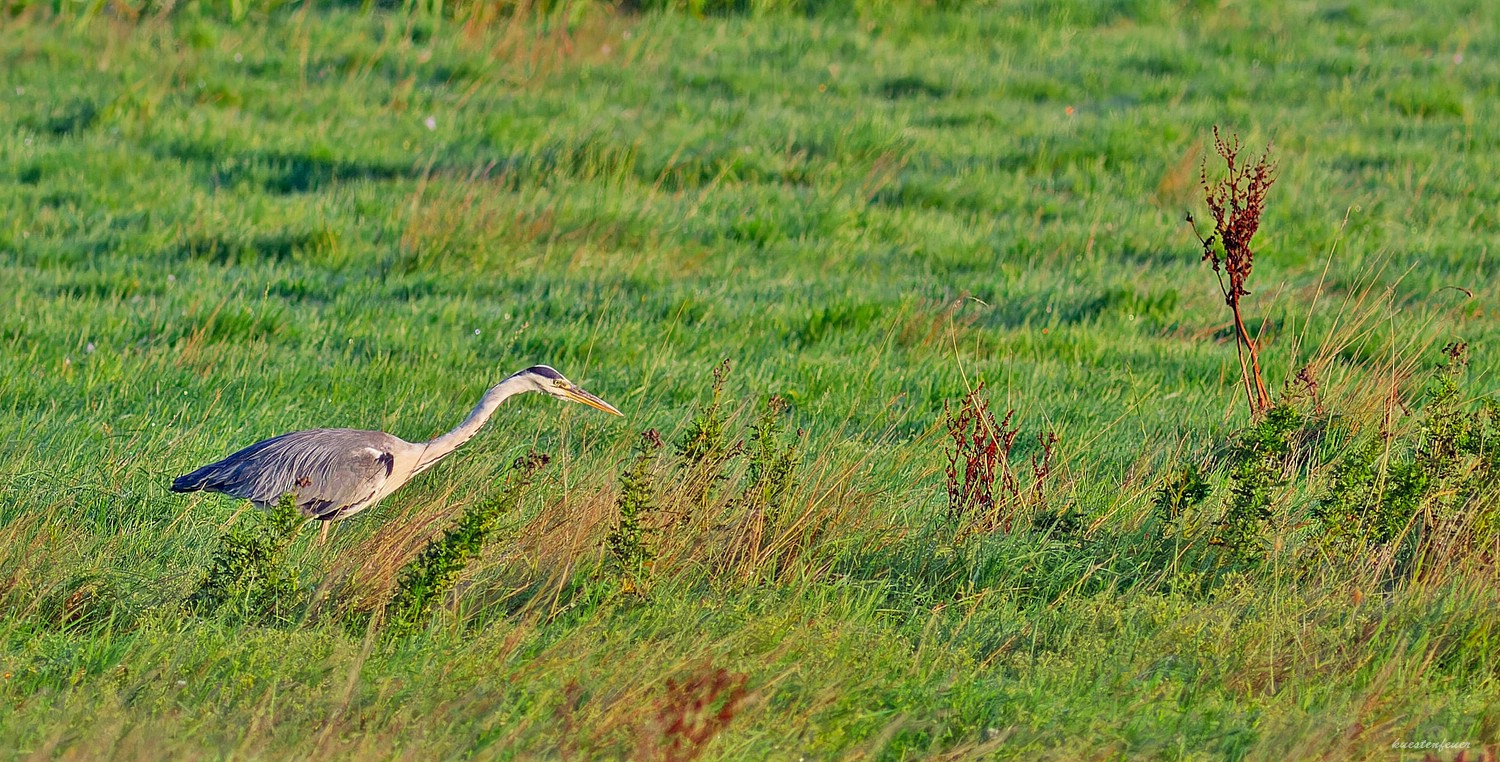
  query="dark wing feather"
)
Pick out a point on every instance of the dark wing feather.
point(326, 470)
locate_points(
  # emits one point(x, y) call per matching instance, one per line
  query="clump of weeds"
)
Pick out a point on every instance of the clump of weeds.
point(984, 493)
point(705, 448)
point(1262, 461)
point(690, 713)
point(629, 554)
point(426, 579)
point(248, 571)
point(1425, 494)
point(772, 463)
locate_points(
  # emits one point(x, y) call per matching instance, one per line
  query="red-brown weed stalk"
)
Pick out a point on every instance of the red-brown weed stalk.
point(1236, 203)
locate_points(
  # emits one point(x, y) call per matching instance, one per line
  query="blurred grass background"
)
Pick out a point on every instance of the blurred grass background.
point(223, 221)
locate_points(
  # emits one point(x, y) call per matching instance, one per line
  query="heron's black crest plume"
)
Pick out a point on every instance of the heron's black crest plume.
point(544, 371)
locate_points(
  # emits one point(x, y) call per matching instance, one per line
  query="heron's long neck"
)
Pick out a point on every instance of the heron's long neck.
point(442, 446)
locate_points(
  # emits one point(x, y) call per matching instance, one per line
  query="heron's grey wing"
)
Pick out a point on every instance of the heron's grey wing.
point(326, 470)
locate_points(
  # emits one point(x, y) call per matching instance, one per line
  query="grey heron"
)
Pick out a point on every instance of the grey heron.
point(336, 473)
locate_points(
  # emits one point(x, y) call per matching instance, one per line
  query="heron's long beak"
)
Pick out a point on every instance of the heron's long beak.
point(578, 395)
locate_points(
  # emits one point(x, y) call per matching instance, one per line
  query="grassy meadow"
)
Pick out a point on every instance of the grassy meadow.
point(222, 224)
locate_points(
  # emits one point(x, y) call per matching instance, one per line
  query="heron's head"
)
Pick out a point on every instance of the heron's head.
point(548, 381)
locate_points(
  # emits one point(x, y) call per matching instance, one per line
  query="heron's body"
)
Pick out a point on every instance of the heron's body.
point(330, 473)
point(336, 473)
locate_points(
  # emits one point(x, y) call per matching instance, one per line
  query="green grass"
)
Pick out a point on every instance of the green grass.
point(213, 232)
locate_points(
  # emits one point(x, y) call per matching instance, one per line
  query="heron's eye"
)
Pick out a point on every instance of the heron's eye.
point(561, 384)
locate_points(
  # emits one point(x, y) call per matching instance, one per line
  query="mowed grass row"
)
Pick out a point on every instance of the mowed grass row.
point(214, 233)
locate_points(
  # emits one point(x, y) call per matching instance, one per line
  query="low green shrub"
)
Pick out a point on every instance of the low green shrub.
point(1396, 497)
point(248, 572)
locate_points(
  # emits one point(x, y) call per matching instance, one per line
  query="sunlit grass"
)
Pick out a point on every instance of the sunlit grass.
point(216, 232)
